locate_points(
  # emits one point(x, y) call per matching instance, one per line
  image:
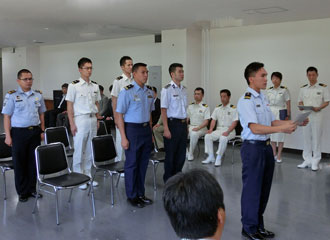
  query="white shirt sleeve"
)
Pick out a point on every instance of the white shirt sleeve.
point(326, 97)
point(70, 96)
point(207, 113)
point(115, 88)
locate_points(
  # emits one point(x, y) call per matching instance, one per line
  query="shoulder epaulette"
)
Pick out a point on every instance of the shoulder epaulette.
point(129, 86)
point(304, 86)
point(75, 81)
point(219, 105)
point(94, 82)
point(120, 77)
point(205, 105)
point(149, 87)
point(271, 88)
point(12, 91)
point(167, 86)
point(247, 95)
point(283, 87)
point(322, 84)
point(232, 106)
point(38, 91)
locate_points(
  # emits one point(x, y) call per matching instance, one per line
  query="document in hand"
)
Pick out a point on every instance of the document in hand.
point(300, 118)
point(308, 108)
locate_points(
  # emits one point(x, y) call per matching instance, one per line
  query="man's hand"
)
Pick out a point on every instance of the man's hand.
point(8, 141)
point(195, 129)
point(156, 126)
point(209, 131)
point(125, 143)
point(289, 127)
point(42, 136)
point(304, 123)
point(226, 133)
point(167, 134)
point(74, 129)
point(316, 109)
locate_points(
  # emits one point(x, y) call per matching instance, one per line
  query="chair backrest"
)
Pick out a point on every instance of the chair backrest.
point(102, 129)
point(57, 134)
point(5, 150)
point(238, 128)
point(50, 158)
point(103, 150)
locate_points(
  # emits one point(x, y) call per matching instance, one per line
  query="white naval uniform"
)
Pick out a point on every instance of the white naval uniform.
point(225, 116)
point(197, 113)
point(277, 98)
point(118, 84)
point(314, 96)
point(84, 96)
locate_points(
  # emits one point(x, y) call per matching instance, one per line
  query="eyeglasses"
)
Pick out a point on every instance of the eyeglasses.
point(26, 79)
point(87, 68)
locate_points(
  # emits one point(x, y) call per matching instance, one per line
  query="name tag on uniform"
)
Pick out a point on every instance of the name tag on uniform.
point(200, 111)
point(175, 95)
point(258, 105)
point(136, 98)
point(318, 93)
point(280, 93)
point(18, 100)
point(228, 113)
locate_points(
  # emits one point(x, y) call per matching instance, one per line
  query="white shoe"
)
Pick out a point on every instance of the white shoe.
point(315, 166)
point(95, 184)
point(190, 157)
point(278, 160)
point(83, 187)
point(218, 161)
point(209, 159)
point(304, 165)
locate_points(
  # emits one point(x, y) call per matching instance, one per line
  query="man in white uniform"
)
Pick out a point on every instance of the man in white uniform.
point(198, 118)
point(83, 107)
point(316, 95)
point(226, 117)
point(119, 83)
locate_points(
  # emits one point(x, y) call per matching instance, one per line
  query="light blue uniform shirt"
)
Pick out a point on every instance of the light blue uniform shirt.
point(24, 107)
point(136, 103)
point(253, 107)
point(174, 99)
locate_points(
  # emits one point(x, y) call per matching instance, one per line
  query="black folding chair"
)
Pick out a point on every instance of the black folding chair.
point(53, 171)
point(103, 155)
point(59, 134)
point(6, 163)
point(156, 157)
point(102, 129)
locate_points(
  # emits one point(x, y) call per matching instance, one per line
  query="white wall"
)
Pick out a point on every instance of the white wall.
point(58, 63)
point(286, 47)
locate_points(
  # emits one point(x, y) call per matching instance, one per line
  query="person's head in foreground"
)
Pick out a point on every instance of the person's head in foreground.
point(194, 203)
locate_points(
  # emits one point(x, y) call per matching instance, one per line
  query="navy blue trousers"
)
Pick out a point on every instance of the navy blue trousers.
point(137, 158)
point(257, 176)
point(24, 142)
point(175, 148)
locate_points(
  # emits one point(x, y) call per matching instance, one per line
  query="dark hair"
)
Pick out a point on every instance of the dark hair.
point(110, 88)
point(65, 85)
point(83, 61)
point(20, 72)
point(154, 89)
point(137, 65)
point(251, 70)
point(199, 89)
point(123, 60)
point(192, 201)
point(101, 88)
point(311, 69)
point(173, 67)
point(276, 74)
point(225, 91)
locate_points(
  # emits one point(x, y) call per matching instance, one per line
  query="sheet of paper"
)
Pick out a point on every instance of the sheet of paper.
point(300, 118)
point(309, 108)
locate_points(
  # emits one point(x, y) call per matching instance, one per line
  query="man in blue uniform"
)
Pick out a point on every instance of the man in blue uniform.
point(134, 106)
point(256, 152)
point(23, 111)
point(174, 115)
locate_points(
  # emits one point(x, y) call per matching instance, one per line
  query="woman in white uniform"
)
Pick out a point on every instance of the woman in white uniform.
point(279, 101)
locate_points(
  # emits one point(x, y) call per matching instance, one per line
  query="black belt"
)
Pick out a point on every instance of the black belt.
point(137, 124)
point(258, 142)
point(29, 128)
point(177, 120)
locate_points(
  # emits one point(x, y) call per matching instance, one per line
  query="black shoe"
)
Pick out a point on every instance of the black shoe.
point(145, 201)
point(23, 198)
point(252, 236)
point(35, 195)
point(135, 202)
point(265, 233)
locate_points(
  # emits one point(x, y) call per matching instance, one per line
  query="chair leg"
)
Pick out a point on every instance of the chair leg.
point(119, 175)
point(232, 156)
point(70, 195)
point(111, 189)
point(92, 196)
point(154, 174)
point(104, 173)
point(89, 190)
point(4, 183)
point(56, 204)
point(36, 199)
